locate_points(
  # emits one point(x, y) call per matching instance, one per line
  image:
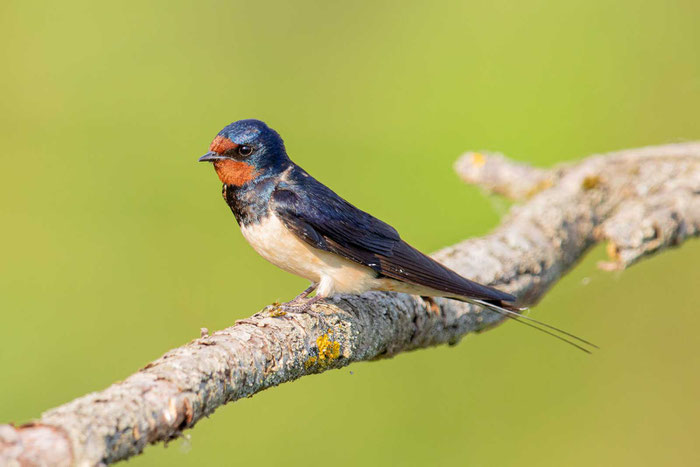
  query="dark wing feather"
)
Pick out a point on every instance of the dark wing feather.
point(326, 221)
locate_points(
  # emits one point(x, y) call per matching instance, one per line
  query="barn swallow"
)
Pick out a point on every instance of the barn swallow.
point(300, 225)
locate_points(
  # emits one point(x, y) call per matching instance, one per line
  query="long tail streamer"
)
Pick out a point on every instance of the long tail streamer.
point(522, 319)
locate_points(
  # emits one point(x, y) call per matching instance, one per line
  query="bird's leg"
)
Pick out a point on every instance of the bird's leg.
point(302, 304)
point(304, 294)
point(292, 306)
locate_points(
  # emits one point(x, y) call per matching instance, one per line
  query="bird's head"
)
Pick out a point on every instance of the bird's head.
point(246, 150)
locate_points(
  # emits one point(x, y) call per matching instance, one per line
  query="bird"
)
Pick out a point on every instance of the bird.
point(300, 225)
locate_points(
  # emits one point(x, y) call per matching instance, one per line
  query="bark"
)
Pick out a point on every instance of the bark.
point(640, 201)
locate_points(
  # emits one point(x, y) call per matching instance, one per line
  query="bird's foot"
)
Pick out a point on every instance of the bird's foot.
point(302, 295)
point(298, 306)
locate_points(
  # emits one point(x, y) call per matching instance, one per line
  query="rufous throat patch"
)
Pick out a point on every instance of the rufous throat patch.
point(233, 172)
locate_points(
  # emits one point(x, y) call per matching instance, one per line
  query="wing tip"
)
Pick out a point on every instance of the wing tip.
point(500, 297)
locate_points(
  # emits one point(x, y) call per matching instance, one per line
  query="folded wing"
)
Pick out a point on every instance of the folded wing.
point(326, 221)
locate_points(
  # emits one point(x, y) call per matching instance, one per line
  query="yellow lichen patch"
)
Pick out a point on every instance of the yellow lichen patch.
point(613, 251)
point(310, 362)
point(328, 350)
point(590, 182)
point(478, 159)
point(277, 312)
point(539, 186)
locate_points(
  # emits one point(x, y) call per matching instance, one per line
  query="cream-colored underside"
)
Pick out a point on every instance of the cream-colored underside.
point(333, 273)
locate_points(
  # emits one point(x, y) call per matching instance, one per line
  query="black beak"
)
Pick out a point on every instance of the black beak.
point(211, 156)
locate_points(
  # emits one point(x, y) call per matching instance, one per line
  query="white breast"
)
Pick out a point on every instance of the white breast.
point(334, 274)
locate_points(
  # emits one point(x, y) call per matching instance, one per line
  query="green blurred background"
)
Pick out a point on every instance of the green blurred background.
point(116, 245)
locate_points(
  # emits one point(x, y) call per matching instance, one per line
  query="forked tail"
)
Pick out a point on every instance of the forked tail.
point(514, 313)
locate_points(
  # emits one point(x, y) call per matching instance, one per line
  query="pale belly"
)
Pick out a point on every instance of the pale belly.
point(333, 273)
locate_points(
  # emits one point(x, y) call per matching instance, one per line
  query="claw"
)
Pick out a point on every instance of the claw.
point(303, 295)
point(294, 307)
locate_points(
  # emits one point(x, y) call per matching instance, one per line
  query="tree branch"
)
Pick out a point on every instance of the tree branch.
point(641, 201)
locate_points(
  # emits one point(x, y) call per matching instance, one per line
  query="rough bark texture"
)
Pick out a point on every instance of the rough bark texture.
point(641, 201)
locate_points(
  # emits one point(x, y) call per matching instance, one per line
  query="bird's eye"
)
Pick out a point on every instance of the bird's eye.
point(245, 151)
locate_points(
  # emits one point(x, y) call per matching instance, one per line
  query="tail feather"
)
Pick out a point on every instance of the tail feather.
point(514, 313)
